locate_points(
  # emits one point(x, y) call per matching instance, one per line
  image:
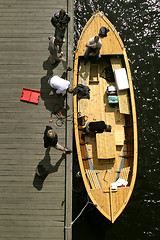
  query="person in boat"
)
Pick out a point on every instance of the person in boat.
point(60, 85)
point(97, 127)
point(93, 49)
point(56, 55)
point(60, 21)
point(51, 140)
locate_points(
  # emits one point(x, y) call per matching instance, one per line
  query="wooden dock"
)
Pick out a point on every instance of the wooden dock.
point(30, 207)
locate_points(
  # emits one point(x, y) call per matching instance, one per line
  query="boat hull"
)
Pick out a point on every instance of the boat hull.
point(103, 156)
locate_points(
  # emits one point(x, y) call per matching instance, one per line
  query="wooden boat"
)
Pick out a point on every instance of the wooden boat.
point(105, 157)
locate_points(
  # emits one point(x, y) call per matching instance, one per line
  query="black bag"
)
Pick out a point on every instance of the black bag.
point(103, 32)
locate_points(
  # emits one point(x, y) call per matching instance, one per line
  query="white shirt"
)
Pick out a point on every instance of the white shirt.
point(97, 44)
point(59, 83)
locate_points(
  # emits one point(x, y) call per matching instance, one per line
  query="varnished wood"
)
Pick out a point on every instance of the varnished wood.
point(107, 150)
point(93, 179)
point(124, 173)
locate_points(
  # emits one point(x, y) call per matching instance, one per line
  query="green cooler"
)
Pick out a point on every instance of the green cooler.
point(112, 99)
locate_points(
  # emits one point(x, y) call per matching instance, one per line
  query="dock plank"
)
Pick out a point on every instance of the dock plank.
point(30, 207)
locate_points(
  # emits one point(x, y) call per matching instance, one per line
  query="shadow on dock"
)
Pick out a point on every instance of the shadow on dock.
point(48, 94)
point(44, 168)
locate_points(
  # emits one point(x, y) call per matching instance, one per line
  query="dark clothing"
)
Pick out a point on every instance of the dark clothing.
point(48, 141)
point(60, 23)
point(97, 127)
point(103, 32)
point(82, 91)
point(92, 58)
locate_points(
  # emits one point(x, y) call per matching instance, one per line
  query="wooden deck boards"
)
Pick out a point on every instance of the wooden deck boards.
point(31, 208)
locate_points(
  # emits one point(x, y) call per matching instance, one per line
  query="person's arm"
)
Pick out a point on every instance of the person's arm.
point(66, 20)
point(53, 24)
point(90, 44)
point(62, 24)
point(64, 149)
point(54, 19)
point(58, 91)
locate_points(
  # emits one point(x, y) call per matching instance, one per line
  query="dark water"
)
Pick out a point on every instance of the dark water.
point(138, 25)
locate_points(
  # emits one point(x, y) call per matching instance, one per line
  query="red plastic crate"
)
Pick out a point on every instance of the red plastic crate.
point(29, 95)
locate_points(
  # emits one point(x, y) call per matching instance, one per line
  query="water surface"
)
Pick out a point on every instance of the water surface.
point(138, 25)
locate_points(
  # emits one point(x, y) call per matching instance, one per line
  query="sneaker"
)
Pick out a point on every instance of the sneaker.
point(69, 69)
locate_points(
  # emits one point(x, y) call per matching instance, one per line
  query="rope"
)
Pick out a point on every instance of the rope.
point(88, 202)
point(60, 118)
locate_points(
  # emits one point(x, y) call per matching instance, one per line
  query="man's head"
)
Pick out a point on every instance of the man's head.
point(62, 13)
point(51, 133)
point(96, 39)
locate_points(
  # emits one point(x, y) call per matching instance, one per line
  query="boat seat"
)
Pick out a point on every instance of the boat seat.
point(83, 149)
point(122, 179)
point(124, 173)
point(94, 73)
point(123, 98)
point(84, 75)
point(106, 147)
point(119, 135)
point(93, 178)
